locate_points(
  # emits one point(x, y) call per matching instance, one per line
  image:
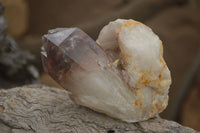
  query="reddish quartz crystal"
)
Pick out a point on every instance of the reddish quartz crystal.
point(67, 50)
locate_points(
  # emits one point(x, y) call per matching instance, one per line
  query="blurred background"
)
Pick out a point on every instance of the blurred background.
point(177, 22)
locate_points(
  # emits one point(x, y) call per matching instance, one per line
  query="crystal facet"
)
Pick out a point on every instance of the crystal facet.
point(123, 74)
point(66, 49)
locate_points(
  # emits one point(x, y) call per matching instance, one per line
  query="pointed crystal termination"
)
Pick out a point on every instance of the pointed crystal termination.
point(69, 50)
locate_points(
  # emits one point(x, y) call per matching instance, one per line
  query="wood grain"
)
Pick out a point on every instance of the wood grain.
point(41, 109)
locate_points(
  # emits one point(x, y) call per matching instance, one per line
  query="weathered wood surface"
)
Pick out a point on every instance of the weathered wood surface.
point(40, 109)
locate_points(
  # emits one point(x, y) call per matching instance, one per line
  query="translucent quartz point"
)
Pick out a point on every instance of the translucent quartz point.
point(66, 49)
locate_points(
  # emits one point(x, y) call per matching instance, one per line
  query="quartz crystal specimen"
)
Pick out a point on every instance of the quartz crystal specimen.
point(123, 74)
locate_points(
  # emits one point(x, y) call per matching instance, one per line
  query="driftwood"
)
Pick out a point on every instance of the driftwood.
point(40, 109)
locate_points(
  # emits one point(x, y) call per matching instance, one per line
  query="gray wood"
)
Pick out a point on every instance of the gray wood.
point(41, 109)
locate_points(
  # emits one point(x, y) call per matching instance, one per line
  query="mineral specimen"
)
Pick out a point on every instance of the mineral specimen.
point(122, 75)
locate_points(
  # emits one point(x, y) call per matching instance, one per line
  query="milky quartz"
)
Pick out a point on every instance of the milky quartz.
point(122, 75)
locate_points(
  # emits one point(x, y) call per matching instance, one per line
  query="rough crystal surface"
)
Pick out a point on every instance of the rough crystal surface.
point(122, 75)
